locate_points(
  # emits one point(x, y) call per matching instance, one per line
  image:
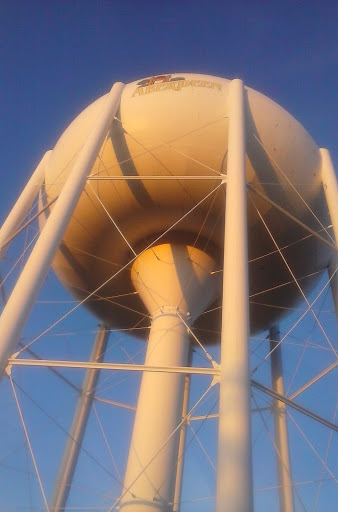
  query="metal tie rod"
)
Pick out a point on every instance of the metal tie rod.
point(292, 217)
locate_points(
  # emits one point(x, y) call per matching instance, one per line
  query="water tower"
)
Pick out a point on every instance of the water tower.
point(186, 189)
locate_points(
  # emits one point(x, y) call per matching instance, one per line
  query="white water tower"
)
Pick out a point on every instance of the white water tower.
point(186, 189)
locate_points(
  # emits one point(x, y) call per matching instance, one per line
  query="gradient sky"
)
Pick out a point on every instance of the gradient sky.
point(57, 57)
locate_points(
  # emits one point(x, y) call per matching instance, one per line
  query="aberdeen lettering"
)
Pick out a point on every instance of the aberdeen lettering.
point(166, 82)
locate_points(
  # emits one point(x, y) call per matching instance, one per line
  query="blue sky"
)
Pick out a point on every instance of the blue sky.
point(57, 57)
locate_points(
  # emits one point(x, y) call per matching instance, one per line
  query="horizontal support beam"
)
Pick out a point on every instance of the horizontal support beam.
point(114, 403)
point(221, 177)
point(295, 406)
point(203, 417)
point(164, 369)
point(112, 366)
point(216, 415)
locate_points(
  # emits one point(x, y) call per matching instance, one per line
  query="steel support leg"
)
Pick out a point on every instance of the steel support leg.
point(77, 430)
point(23, 204)
point(286, 503)
point(31, 279)
point(234, 474)
point(181, 448)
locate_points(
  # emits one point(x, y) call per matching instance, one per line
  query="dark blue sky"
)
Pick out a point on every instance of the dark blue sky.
point(56, 57)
